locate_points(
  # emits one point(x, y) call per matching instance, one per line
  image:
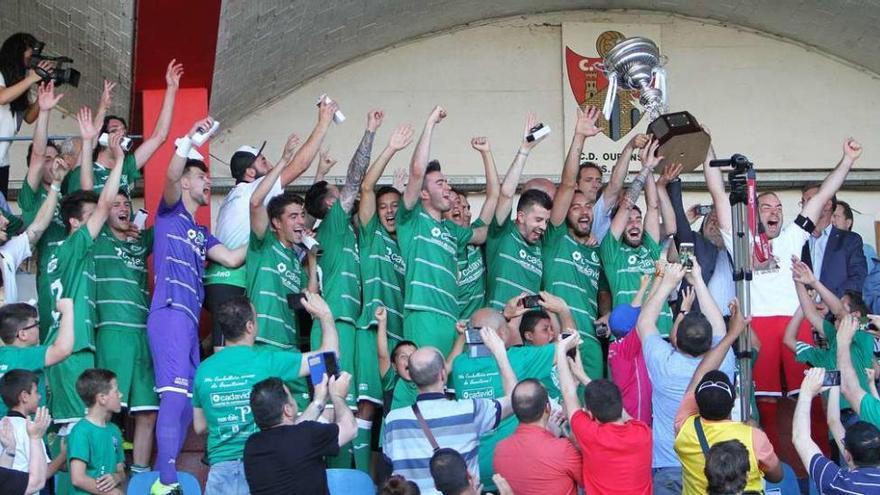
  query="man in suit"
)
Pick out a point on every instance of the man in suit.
point(835, 255)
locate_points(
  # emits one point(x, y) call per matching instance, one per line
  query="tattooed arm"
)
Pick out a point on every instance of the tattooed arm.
point(360, 161)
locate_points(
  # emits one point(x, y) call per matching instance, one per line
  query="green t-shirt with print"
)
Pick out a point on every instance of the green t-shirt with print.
point(99, 447)
point(383, 273)
point(273, 272)
point(122, 297)
point(72, 274)
point(571, 272)
point(24, 358)
point(515, 266)
point(340, 265)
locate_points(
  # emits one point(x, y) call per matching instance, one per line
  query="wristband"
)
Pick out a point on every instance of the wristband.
point(55, 188)
point(523, 153)
point(184, 144)
point(805, 223)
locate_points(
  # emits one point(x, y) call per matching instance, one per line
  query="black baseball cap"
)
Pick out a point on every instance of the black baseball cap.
point(715, 395)
point(242, 159)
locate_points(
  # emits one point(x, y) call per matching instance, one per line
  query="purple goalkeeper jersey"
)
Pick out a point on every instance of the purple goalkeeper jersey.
point(180, 246)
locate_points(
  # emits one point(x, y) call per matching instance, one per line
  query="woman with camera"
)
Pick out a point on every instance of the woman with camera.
point(16, 79)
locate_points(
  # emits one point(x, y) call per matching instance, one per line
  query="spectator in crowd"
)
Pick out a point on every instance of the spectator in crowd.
point(861, 448)
point(430, 301)
point(96, 460)
point(842, 219)
point(625, 359)
point(16, 80)
point(773, 295)
point(513, 248)
point(704, 419)
point(398, 485)
point(727, 468)
point(835, 255)
point(709, 250)
point(864, 404)
point(632, 249)
point(249, 167)
point(411, 434)
point(533, 460)
point(225, 379)
point(451, 474)
point(180, 249)
point(287, 454)
point(607, 436)
point(32, 479)
point(671, 368)
point(398, 389)
point(571, 258)
point(21, 347)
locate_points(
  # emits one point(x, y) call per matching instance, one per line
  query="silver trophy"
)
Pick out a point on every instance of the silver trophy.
point(635, 64)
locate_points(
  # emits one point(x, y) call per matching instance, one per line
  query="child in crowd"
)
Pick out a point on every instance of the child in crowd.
point(625, 359)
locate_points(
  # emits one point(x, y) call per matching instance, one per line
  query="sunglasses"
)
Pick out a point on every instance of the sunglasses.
point(711, 384)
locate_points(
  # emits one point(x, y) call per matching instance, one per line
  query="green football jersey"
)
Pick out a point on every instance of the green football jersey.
point(571, 272)
point(429, 250)
point(403, 392)
point(273, 272)
point(515, 266)
point(122, 297)
point(30, 202)
point(340, 265)
point(99, 447)
point(72, 274)
point(222, 389)
point(536, 362)
point(471, 277)
point(24, 358)
point(382, 271)
point(100, 174)
point(624, 266)
point(861, 352)
point(15, 225)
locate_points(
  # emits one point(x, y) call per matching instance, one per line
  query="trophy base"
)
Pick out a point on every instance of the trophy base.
point(682, 140)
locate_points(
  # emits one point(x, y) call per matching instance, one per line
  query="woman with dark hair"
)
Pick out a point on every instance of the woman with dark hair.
point(16, 80)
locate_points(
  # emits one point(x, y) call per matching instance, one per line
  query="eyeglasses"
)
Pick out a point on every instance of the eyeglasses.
point(34, 325)
point(721, 385)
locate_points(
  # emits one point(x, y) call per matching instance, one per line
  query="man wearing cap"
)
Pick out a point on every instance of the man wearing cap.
point(704, 419)
point(248, 167)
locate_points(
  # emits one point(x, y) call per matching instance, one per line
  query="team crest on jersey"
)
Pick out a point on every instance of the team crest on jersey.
point(576, 256)
point(52, 265)
point(632, 259)
point(281, 267)
point(522, 253)
point(594, 256)
point(436, 232)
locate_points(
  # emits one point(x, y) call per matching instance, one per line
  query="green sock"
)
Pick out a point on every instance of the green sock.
point(361, 445)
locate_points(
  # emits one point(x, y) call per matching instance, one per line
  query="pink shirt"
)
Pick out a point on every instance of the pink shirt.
point(630, 374)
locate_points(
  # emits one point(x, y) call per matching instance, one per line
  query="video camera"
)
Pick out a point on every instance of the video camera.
point(59, 74)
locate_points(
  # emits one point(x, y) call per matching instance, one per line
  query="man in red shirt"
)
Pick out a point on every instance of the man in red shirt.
point(616, 449)
point(534, 460)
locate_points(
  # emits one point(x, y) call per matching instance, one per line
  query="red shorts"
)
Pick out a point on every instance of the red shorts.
point(776, 370)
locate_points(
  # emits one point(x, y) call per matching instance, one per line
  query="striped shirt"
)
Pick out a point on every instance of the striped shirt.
point(273, 272)
point(382, 271)
point(831, 479)
point(455, 424)
point(340, 265)
point(515, 266)
point(122, 297)
point(71, 271)
point(180, 247)
point(472, 277)
point(429, 250)
point(571, 272)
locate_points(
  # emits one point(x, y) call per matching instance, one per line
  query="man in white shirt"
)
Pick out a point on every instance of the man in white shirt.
point(773, 295)
point(248, 167)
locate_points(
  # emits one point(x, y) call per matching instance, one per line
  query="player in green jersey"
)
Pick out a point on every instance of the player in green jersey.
point(99, 163)
point(122, 301)
point(382, 272)
point(513, 249)
point(340, 261)
point(471, 264)
point(71, 270)
point(631, 249)
point(429, 245)
point(571, 256)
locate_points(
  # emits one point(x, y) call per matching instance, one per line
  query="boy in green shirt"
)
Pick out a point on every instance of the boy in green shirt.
point(223, 382)
point(21, 349)
point(96, 460)
point(397, 387)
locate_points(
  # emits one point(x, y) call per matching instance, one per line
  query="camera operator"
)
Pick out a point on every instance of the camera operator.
point(16, 80)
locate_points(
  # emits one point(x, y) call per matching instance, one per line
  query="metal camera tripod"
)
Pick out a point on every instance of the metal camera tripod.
point(743, 220)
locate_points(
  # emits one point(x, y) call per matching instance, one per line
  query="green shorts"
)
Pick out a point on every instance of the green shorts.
point(347, 350)
point(427, 328)
point(591, 356)
point(366, 366)
point(126, 352)
point(64, 403)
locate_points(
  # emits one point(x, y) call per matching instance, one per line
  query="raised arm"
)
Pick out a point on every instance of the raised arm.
point(493, 185)
point(800, 427)
point(511, 180)
point(104, 104)
point(567, 384)
point(621, 169)
point(46, 212)
point(258, 212)
point(647, 322)
point(400, 139)
point(832, 416)
point(96, 221)
point(713, 359)
point(707, 303)
point(307, 152)
point(652, 199)
point(420, 158)
point(852, 150)
point(63, 345)
point(715, 184)
point(849, 380)
point(36, 430)
point(584, 127)
point(325, 163)
point(789, 338)
point(382, 340)
point(143, 152)
point(508, 377)
point(667, 211)
point(88, 132)
point(360, 161)
point(171, 193)
point(46, 100)
point(318, 308)
point(804, 276)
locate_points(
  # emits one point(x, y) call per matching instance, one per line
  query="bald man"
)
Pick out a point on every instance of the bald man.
point(544, 185)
